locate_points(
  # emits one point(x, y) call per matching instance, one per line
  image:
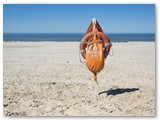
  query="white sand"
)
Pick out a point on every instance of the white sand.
point(47, 79)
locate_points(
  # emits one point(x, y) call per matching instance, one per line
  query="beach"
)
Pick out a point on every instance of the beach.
point(48, 79)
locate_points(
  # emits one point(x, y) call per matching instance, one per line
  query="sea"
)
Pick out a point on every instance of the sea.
point(74, 37)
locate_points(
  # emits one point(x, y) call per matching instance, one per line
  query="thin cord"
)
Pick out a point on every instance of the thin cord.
point(112, 51)
point(80, 56)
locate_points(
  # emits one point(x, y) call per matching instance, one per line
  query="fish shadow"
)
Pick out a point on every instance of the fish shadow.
point(118, 91)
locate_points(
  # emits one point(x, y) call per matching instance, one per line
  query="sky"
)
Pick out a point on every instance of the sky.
point(75, 18)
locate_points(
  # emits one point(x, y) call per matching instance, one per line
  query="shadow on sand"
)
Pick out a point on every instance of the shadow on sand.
point(118, 91)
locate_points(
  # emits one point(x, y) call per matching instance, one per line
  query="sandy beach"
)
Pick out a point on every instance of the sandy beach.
point(47, 79)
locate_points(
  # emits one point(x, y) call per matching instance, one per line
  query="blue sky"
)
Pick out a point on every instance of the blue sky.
point(54, 18)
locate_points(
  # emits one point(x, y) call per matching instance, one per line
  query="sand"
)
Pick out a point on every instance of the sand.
point(47, 79)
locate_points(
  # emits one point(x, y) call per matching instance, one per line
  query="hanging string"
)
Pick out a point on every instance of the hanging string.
point(111, 50)
point(80, 55)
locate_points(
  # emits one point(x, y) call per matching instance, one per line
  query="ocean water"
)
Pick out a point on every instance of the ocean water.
point(61, 37)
